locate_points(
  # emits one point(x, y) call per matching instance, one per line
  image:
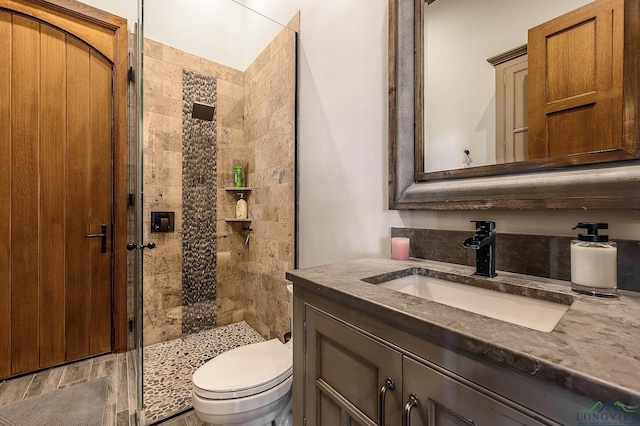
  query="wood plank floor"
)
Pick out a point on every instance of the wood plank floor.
point(189, 418)
point(121, 396)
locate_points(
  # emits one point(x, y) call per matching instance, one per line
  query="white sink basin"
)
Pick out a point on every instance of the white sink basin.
point(528, 312)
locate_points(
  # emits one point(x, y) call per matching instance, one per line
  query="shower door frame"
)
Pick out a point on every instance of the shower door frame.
point(136, 198)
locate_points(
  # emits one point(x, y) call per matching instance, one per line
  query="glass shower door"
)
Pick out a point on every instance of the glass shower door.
point(134, 223)
point(239, 67)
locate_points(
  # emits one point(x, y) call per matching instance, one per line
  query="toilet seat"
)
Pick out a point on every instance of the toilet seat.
point(244, 371)
point(240, 410)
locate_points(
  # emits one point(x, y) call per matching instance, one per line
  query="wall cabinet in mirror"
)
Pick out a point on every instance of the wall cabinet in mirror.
point(512, 126)
point(598, 114)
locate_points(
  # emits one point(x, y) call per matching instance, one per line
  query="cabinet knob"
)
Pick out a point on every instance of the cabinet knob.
point(388, 385)
point(410, 405)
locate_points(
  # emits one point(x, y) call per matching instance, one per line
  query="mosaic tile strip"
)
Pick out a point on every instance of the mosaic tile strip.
point(169, 366)
point(199, 196)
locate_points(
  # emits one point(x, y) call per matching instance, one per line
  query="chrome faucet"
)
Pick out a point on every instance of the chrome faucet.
point(484, 241)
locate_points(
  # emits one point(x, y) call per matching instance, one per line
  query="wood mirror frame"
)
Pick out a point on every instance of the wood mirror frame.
point(547, 184)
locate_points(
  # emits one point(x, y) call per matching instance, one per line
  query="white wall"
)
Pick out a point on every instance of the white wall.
point(223, 31)
point(127, 9)
point(342, 128)
point(343, 145)
point(343, 141)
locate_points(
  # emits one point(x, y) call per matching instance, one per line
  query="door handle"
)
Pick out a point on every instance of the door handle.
point(388, 385)
point(411, 404)
point(102, 236)
point(132, 246)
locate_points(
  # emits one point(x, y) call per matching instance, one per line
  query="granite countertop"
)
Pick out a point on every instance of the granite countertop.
point(594, 350)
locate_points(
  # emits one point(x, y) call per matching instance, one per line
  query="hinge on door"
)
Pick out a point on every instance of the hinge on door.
point(304, 337)
point(131, 74)
point(130, 200)
point(131, 325)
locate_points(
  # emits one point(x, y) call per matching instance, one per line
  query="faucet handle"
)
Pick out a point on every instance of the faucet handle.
point(484, 225)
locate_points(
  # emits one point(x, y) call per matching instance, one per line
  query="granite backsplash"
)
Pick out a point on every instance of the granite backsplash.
point(539, 255)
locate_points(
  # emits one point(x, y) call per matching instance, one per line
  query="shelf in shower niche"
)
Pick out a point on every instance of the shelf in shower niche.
point(237, 188)
point(237, 220)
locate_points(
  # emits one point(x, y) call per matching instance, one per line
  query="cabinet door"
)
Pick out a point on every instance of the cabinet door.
point(345, 372)
point(443, 401)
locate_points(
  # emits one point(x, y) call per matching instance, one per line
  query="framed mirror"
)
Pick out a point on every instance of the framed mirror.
point(593, 178)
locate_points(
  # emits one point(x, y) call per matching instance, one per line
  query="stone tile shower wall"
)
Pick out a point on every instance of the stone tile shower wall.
point(163, 162)
point(270, 132)
point(254, 128)
point(199, 191)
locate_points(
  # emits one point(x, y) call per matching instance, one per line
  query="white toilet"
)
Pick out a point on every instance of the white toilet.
point(247, 386)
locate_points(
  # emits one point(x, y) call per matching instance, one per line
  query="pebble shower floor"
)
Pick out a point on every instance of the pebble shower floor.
point(168, 366)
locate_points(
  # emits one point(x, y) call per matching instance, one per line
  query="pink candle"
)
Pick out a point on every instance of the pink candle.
point(400, 248)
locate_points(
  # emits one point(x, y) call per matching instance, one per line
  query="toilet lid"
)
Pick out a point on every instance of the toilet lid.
point(244, 371)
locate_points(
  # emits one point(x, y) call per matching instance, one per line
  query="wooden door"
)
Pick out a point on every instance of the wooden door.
point(56, 143)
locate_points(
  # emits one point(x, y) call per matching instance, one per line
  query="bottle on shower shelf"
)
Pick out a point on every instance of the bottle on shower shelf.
point(237, 176)
point(241, 207)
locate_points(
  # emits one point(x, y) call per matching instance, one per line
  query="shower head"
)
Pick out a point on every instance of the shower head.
point(203, 111)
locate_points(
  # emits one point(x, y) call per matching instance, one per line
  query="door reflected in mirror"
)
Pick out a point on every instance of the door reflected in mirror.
point(476, 81)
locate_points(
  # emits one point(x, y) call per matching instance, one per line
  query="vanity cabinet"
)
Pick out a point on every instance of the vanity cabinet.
point(355, 379)
point(353, 368)
point(440, 399)
point(345, 371)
